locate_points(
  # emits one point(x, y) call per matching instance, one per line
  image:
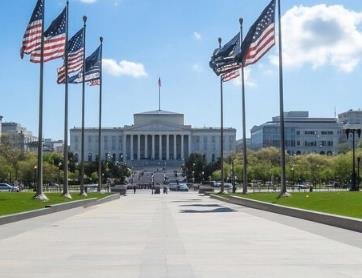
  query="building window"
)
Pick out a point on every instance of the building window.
point(329, 132)
point(310, 132)
point(105, 138)
point(113, 143)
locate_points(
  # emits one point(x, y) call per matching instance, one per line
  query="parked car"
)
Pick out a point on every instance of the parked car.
point(301, 186)
point(183, 187)
point(173, 186)
point(4, 187)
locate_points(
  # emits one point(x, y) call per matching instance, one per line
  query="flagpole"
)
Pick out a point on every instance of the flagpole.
point(100, 122)
point(283, 189)
point(159, 94)
point(65, 146)
point(82, 191)
point(221, 128)
point(245, 158)
point(39, 189)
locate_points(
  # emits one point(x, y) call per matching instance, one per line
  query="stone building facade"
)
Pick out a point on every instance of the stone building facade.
point(155, 136)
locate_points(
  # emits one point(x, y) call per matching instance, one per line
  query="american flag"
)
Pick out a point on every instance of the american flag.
point(223, 59)
point(33, 32)
point(230, 75)
point(95, 82)
point(54, 40)
point(260, 38)
point(92, 69)
point(75, 56)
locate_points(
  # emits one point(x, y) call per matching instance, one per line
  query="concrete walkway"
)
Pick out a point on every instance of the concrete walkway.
point(176, 235)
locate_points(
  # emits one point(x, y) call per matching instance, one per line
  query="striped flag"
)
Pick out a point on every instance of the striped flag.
point(75, 56)
point(96, 82)
point(33, 32)
point(54, 40)
point(223, 59)
point(260, 38)
point(230, 75)
point(93, 69)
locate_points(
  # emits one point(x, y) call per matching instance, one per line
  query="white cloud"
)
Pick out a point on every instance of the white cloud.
point(197, 36)
point(321, 35)
point(124, 68)
point(88, 1)
point(247, 77)
point(197, 68)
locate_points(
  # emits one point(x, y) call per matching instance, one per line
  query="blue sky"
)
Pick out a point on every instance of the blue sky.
point(145, 39)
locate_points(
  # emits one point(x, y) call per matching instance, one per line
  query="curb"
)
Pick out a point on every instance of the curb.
point(55, 208)
point(348, 223)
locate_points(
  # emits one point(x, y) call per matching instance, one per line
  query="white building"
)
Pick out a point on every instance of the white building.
point(17, 136)
point(302, 134)
point(155, 136)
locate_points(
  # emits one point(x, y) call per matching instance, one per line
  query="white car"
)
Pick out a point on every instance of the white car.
point(4, 187)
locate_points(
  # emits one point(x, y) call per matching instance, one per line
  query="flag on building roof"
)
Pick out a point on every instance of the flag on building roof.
point(223, 59)
point(92, 69)
point(33, 32)
point(260, 38)
point(54, 40)
point(75, 56)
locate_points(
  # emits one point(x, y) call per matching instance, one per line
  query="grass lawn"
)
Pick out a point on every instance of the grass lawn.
point(341, 203)
point(13, 202)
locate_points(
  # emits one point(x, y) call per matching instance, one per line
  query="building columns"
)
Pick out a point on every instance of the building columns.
point(153, 146)
point(160, 147)
point(131, 141)
point(138, 147)
point(174, 147)
point(182, 148)
point(189, 143)
point(124, 149)
point(167, 147)
point(146, 146)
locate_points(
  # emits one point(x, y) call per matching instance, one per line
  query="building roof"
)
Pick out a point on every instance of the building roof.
point(158, 112)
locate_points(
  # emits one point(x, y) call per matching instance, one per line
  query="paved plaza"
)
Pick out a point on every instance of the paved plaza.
point(176, 235)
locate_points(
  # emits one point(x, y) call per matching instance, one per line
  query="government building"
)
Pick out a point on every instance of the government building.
point(303, 134)
point(155, 137)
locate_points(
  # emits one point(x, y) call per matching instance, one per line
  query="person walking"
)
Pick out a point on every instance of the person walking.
point(134, 189)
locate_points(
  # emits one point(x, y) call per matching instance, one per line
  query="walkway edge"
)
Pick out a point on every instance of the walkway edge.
point(347, 223)
point(55, 208)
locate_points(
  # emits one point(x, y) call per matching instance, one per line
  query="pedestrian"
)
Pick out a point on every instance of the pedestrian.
point(134, 189)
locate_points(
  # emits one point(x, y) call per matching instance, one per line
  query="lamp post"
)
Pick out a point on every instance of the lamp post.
point(354, 132)
point(292, 169)
point(35, 177)
point(358, 166)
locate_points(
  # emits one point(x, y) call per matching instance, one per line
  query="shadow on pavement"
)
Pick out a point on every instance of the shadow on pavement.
point(223, 209)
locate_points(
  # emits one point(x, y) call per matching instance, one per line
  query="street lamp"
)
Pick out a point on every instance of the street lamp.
point(358, 166)
point(353, 131)
point(35, 177)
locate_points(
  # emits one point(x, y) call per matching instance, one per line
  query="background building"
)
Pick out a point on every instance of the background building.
point(154, 136)
point(302, 134)
point(17, 136)
point(53, 146)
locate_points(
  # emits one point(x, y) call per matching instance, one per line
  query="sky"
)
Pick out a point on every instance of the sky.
point(145, 39)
